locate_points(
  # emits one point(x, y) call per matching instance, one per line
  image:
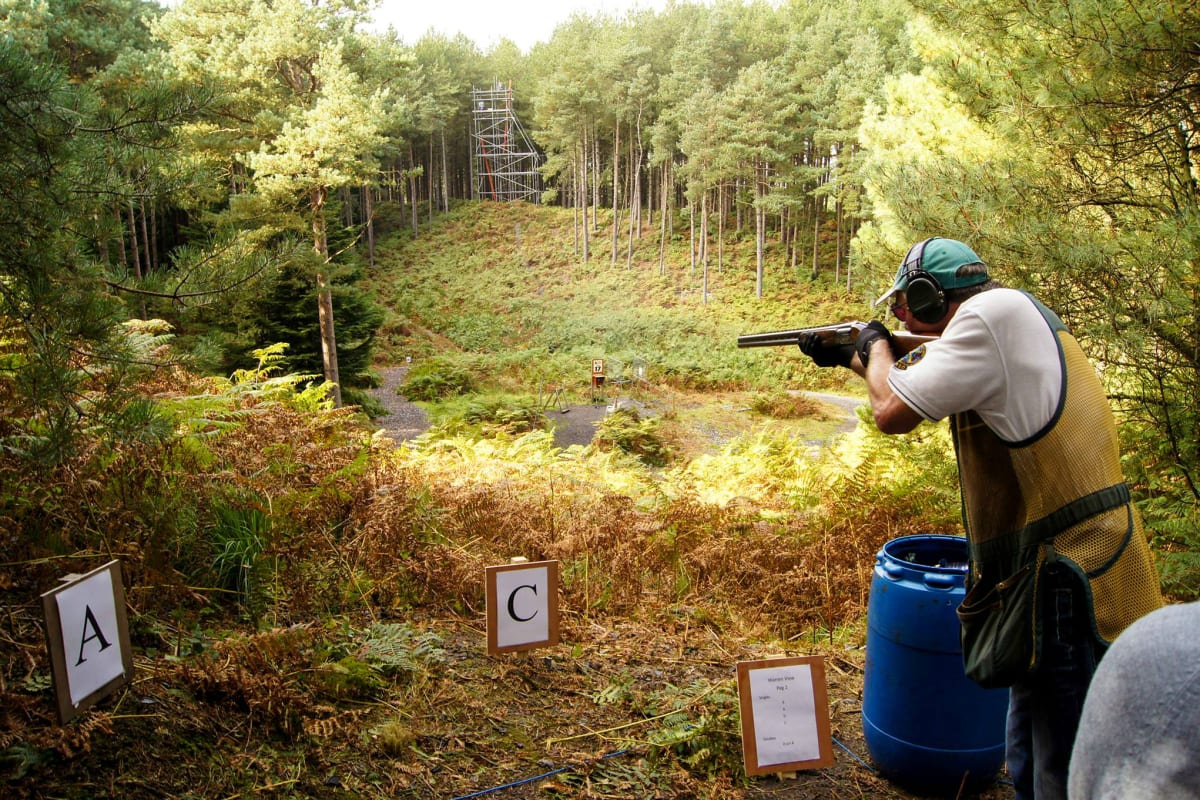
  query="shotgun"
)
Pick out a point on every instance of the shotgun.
point(840, 333)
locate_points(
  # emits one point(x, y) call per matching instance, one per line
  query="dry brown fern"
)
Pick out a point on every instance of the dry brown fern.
point(260, 675)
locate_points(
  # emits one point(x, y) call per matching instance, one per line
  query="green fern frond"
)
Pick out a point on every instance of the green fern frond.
point(399, 648)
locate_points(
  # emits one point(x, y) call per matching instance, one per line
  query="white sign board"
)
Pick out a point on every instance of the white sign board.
point(784, 706)
point(87, 632)
point(522, 606)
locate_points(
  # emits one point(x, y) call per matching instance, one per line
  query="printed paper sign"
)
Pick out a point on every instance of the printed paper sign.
point(522, 606)
point(88, 635)
point(785, 715)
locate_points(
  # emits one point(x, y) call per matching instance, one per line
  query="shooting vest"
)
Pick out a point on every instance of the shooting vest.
point(1059, 492)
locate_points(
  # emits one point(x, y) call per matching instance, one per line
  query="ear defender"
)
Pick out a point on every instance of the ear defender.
point(926, 299)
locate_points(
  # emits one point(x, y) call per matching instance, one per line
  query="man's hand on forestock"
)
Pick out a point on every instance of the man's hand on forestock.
point(824, 354)
point(867, 338)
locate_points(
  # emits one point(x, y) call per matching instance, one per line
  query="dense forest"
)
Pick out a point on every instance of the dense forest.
point(202, 207)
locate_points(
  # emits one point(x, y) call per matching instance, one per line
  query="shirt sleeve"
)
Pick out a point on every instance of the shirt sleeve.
point(954, 373)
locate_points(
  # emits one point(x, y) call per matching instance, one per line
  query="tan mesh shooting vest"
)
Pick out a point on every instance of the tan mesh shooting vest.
point(1063, 485)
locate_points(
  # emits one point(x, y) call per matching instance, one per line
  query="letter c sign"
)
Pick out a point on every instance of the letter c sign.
point(522, 606)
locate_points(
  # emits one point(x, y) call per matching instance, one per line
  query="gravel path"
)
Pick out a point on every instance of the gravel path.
point(404, 420)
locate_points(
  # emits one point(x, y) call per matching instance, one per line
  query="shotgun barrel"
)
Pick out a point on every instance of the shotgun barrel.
point(837, 334)
point(842, 333)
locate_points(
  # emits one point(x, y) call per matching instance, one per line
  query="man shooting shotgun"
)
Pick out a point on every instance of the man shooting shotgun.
point(1060, 564)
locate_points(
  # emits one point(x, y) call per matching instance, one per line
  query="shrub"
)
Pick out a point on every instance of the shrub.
point(434, 379)
point(624, 430)
point(780, 405)
point(496, 412)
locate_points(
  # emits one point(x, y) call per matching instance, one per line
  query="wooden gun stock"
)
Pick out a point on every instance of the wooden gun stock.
point(840, 333)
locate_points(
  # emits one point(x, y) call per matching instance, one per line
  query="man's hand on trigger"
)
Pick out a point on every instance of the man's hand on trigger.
point(825, 355)
point(867, 338)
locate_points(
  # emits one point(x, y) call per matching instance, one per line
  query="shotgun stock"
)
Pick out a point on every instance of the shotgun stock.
point(840, 333)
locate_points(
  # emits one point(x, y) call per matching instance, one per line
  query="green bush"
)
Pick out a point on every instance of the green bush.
point(624, 430)
point(781, 405)
point(520, 418)
point(436, 379)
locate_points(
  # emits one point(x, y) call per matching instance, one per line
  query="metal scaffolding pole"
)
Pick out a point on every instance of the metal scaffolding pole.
point(504, 161)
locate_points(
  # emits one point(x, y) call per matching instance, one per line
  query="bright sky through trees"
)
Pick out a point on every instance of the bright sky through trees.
point(525, 22)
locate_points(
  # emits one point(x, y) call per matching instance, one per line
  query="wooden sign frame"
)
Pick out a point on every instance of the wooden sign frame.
point(494, 576)
point(797, 703)
point(68, 707)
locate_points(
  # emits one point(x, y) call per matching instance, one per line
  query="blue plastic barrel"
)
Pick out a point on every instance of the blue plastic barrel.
point(928, 727)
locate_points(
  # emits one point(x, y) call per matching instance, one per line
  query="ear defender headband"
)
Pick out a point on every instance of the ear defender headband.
point(926, 299)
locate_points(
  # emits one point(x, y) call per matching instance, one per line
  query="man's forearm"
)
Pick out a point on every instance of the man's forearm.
point(892, 415)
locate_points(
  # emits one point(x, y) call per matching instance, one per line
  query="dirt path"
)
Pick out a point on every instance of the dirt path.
point(576, 424)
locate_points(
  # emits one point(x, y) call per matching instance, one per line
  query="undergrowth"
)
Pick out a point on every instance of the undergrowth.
point(273, 591)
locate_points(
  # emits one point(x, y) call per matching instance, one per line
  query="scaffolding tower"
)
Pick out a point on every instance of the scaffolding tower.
point(504, 163)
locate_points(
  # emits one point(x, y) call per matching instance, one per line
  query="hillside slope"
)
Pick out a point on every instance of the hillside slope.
point(506, 283)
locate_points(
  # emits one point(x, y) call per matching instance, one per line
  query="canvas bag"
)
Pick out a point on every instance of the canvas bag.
point(1000, 627)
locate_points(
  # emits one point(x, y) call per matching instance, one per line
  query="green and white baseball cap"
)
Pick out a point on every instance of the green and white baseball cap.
point(940, 258)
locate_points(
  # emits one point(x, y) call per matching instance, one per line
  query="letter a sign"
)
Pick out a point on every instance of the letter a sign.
point(522, 606)
point(87, 632)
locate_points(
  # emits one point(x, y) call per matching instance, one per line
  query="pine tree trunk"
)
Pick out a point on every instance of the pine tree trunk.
point(413, 186)
point(574, 195)
point(816, 236)
point(616, 186)
point(760, 230)
point(101, 240)
point(635, 207)
point(325, 296)
point(650, 196)
point(153, 237)
point(721, 226)
point(328, 340)
point(134, 246)
point(739, 222)
point(429, 183)
point(692, 236)
point(795, 254)
point(664, 222)
point(595, 180)
point(837, 257)
point(760, 235)
point(146, 260)
point(586, 227)
point(369, 211)
point(704, 247)
point(445, 177)
point(122, 255)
